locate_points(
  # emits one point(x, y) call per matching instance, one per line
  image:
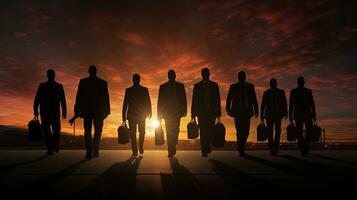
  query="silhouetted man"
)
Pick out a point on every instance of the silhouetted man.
point(171, 106)
point(206, 105)
point(50, 96)
point(302, 110)
point(242, 104)
point(136, 107)
point(273, 109)
point(92, 103)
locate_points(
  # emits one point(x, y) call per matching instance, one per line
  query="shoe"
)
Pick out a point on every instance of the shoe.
point(241, 154)
point(171, 155)
point(204, 155)
point(89, 155)
point(134, 155)
point(49, 153)
point(141, 150)
point(96, 154)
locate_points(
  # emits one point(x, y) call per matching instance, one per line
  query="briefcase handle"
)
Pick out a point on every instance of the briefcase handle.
point(218, 120)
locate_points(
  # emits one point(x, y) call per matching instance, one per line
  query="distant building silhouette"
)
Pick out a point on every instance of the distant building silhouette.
point(136, 107)
point(206, 105)
point(171, 106)
point(92, 103)
point(50, 97)
point(242, 104)
point(273, 109)
point(302, 111)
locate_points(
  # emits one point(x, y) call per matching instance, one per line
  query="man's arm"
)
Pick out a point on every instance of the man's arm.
point(148, 101)
point(285, 104)
point(291, 105)
point(159, 103)
point(184, 100)
point(255, 102)
point(263, 106)
point(36, 102)
point(125, 105)
point(218, 96)
point(229, 101)
point(194, 102)
point(79, 96)
point(106, 100)
point(63, 102)
point(313, 108)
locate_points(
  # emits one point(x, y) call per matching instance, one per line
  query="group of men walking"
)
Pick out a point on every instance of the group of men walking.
point(92, 104)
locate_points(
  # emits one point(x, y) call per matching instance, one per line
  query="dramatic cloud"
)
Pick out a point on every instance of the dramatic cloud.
point(281, 39)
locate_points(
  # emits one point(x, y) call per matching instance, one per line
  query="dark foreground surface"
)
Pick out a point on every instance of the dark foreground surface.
point(223, 175)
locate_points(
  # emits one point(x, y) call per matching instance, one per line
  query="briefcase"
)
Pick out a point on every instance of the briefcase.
point(159, 136)
point(315, 133)
point(262, 132)
point(34, 129)
point(123, 134)
point(219, 135)
point(291, 132)
point(192, 129)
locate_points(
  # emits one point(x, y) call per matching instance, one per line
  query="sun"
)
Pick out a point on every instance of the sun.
point(155, 123)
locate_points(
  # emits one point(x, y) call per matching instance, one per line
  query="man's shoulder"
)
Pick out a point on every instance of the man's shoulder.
point(179, 84)
point(234, 85)
point(282, 91)
point(294, 90)
point(144, 88)
point(164, 84)
point(214, 83)
point(251, 85)
point(197, 84)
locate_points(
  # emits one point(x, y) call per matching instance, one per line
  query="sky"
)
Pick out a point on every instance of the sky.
point(267, 39)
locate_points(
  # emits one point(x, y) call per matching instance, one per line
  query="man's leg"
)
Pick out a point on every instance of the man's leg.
point(308, 126)
point(245, 131)
point(203, 124)
point(210, 132)
point(56, 126)
point(300, 134)
point(277, 135)
point(141, 125)
point(132, 130)
point(270, 124)
point(88, 136)
point(172, 131)
point(46, 127)
point(98, 127)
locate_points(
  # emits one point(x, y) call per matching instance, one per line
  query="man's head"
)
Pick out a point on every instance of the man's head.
point(273, 83)
point(242, 76)
point(51, 75)
point(136, 79)
point(92, 70)
point(171, 75)
point(205, 73)
point(301, 81)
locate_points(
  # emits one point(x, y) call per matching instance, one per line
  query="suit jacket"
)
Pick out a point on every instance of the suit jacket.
point(137, 104)
point(302, 105)
point(50, 96)
point(172, 101)
point(242, 103)
point(206, 103)
point(92, 98)
point(274, 105)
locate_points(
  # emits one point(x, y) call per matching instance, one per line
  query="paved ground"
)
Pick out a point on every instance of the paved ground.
point(223, 175)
